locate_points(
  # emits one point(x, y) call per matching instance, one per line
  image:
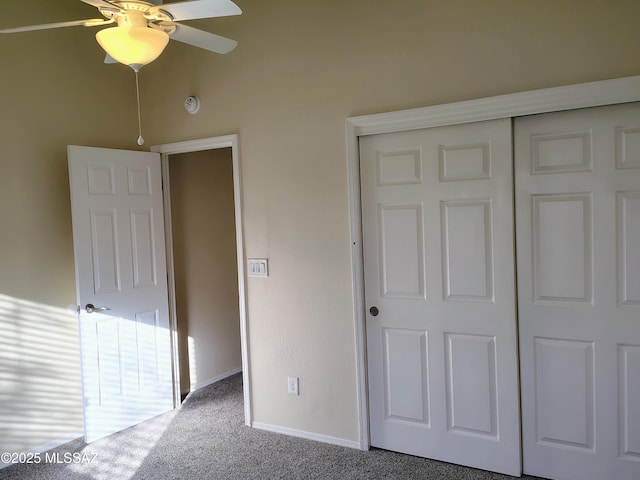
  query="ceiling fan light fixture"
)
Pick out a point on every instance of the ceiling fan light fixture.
point(134, 46)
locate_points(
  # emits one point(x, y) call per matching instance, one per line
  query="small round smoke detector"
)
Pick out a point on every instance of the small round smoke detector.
point(192, 104)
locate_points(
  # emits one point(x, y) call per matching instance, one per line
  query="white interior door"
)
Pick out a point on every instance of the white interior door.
point(437, 212)
point(578, 232)
point(118, 236)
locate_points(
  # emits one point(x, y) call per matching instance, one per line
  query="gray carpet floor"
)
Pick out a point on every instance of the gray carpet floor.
point(206, 439)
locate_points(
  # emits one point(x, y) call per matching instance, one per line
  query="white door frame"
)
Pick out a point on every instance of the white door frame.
point(227, 141)
point(606, 92)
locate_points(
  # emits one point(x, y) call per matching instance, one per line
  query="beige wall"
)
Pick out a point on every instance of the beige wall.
point(204, 247)
point(300, 69)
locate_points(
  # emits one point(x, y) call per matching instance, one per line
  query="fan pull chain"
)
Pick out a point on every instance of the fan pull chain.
point(140, 139)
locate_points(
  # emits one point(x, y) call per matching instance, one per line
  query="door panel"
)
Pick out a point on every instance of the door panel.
point(470, 369)
point(565, 395)
point(562, 255)
point(439, 265)
point(578, 225)
point(118, 234)
point(402, 256)
point(106, 266)
point(467, 250)
point(405, 361)
point(629, 391)
point(628, 213)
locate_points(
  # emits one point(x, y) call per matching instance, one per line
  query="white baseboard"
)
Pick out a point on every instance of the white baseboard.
point(48, 446)
point(215, 379)
point(307, 435)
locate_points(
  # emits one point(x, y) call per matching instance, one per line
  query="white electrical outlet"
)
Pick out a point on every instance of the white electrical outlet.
point(293, 385)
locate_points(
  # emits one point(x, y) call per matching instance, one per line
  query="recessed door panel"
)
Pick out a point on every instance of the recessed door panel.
point(471, 385)
point(561, 152)
point(106, 261)
point(627, 147)
point(100, 180)
point(562, 248)
point(467, 250)
point(110, 359)
point(629, 372)
point(401, 256)
point(149, 360)
point(465, 162)
point(139, 180)
point(143, 244)
point(406, 376)
point(564, 392)
point(629, 248)
point(399, 167)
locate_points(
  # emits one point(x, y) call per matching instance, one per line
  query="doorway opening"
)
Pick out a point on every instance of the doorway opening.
point(206, 277)
point(205, 263)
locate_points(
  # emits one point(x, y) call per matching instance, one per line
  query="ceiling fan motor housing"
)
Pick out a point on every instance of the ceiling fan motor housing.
point(129, 13)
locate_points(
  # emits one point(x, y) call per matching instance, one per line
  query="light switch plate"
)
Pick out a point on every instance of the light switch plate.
point(258, 267)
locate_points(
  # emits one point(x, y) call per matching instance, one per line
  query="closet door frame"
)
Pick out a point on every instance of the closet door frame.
point(592, 94)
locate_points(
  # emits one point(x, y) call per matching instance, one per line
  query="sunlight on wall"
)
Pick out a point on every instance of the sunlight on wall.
point(193, 372)
point(41, 392)
point(40, 388)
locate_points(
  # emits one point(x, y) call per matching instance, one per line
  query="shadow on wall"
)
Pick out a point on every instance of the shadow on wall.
point(40, 387)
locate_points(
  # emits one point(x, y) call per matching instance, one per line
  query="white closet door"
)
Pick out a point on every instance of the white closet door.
point(578, 237)
point(437, 208)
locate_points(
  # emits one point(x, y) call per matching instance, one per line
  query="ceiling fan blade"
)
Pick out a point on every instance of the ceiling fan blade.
point(200, 9)
point(92, 22)
point(99, 3)
point(201, 39)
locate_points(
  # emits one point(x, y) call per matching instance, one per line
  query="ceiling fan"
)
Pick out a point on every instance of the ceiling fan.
point(143, 30)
